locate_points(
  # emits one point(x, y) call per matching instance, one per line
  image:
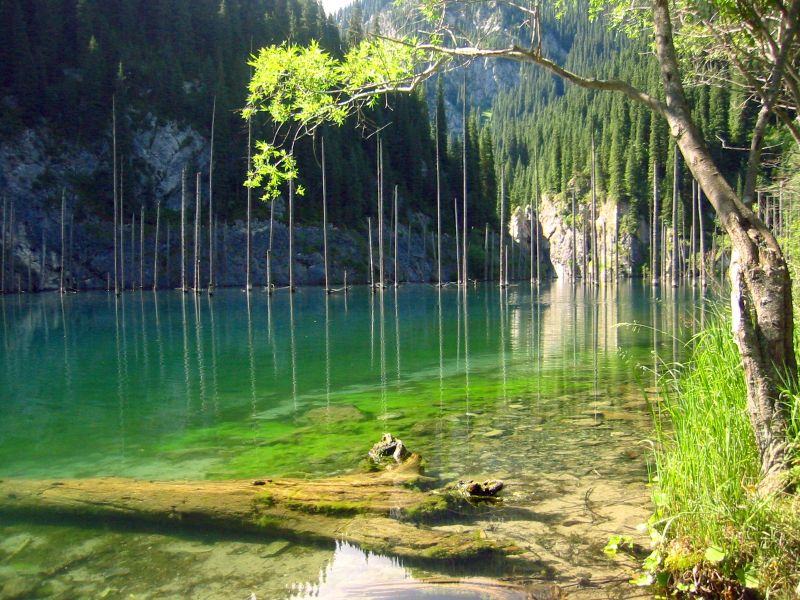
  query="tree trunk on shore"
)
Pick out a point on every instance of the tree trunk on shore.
point(761, 298)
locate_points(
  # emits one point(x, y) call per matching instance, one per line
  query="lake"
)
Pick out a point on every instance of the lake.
point(545, 388)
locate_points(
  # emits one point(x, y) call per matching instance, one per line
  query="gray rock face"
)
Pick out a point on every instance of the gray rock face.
point(618, 247)
point(34, 170)
point(161, 152)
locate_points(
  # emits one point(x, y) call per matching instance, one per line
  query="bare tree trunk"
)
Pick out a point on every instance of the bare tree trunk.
point(155, 247)
point(530, 243)
point(211, 202)
point(269, 271)
point(702, 241)
point(380, 213)
point(502, 224)
point(169, 257)
point(116, 200)
point(408, 247)
point(121, 228)
point(761, 297)
point(371, 263)
point(605, 253)
point(396, 271)
point(196, 262)
point(536, 221)
point(615, 244)
point(44, 255)
point(12, 237)
point(438, 209)
point(675, 198)
point(141, 249)
point(249, 232)
point(70, 254)
point(593, 224)
point(585, 246)
point(61, 289)
point(4, 233)
point(486, 253)
point(291, 236)
point(458, 244)
point(325, 219)
point(693, 242)
point(133, 250)
point(183, 231)
point(574, 240)
point(654, 250)
point(464, 236)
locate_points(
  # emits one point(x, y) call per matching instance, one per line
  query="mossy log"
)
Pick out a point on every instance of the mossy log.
point(371, 510)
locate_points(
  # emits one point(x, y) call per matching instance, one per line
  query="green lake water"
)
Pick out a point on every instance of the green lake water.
point(544, 388)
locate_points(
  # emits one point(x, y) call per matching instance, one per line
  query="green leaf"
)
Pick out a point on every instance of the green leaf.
point(660, 498)
point(643, 580)
point(714, 554)
point(748, 577)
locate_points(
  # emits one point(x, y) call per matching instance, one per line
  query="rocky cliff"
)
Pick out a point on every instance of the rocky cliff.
point(621, 240)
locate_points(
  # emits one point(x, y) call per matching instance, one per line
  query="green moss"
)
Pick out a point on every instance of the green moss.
point(468, 551)
point(332, 509)
point(267, 522)
point(434, 508)
point(266, 499)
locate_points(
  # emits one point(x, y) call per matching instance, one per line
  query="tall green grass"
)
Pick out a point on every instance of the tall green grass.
point(706, 471)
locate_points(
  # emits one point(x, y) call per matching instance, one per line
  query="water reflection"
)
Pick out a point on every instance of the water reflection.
point(213, 356)
point(352, 573)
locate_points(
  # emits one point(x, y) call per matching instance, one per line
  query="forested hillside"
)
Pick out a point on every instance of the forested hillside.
point(174, 67)
point(64, 60)
point(542, 129)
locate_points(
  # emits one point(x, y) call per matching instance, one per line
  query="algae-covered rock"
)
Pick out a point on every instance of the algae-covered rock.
point(485, 489)
point(389, 446)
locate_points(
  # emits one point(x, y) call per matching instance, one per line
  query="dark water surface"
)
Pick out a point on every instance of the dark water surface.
point(545, 389)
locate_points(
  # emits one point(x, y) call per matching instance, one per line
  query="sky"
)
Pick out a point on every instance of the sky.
point(331, 6)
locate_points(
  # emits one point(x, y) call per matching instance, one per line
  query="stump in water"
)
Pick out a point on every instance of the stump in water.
point(389, 446)
point(371, 510)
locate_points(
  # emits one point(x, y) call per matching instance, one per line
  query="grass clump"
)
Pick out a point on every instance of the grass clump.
point(715, 536)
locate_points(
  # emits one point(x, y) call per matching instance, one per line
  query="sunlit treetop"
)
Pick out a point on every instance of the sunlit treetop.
point(300, 88)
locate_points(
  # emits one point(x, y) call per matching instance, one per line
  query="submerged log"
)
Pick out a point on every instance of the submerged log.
point(372, 510)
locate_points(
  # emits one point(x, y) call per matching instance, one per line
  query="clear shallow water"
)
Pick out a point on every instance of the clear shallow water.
point(543, 389)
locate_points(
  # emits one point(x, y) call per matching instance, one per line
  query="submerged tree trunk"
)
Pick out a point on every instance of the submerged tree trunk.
point(183, 231)
point(593, 224)
point(61, 287)
point(197, 235)
point(211, 202)
point(761, 298)
point(291, 236)
point(155, 247)
point(325, 219)
point(248, 245)
point(675, 271)
point(116, 190)
point(4, 233)
point(141, 249)
point(500, 255)
point(376, 511)
point(654, 249)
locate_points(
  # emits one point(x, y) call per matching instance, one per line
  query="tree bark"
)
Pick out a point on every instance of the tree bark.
point(761, 299)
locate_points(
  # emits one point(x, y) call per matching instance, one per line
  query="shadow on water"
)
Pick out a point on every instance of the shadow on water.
point(538, 386)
